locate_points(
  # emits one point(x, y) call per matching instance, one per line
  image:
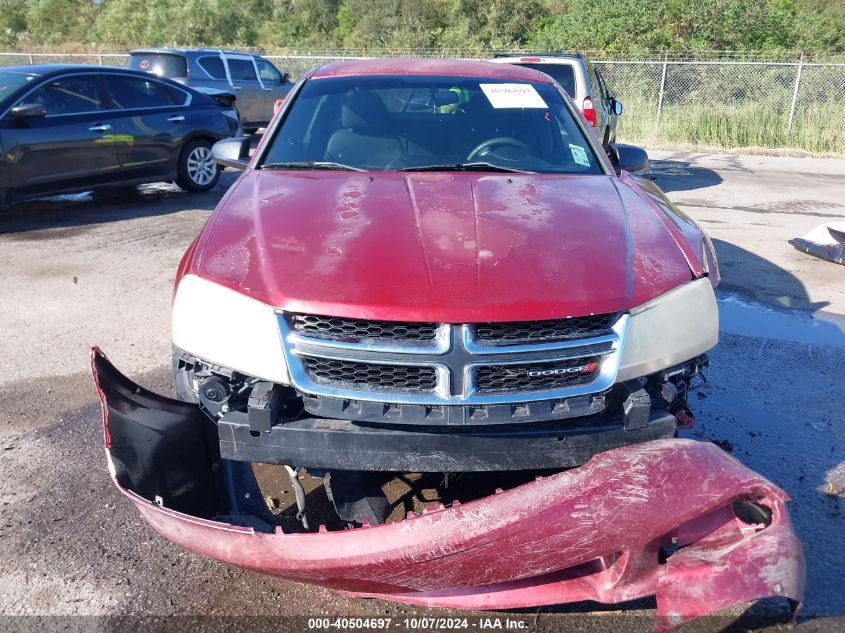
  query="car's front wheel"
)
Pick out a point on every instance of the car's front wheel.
point(196, 170)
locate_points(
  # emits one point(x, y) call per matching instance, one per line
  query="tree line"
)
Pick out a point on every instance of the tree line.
point(483, 25)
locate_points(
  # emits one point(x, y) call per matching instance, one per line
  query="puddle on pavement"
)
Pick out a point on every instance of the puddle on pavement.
point(738, 315)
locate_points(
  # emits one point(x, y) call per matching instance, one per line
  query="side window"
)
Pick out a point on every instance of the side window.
point(605, 93)
point(69, 95)
point(268, 72)
point(213, 66)
point(241, 69)
point(136, 92)
point(178, 96)
point(595, 91)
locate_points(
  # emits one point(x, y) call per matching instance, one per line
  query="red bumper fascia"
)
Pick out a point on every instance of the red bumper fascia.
point(591, 533)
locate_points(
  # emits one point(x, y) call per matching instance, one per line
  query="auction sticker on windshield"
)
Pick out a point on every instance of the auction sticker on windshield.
point(513, 96)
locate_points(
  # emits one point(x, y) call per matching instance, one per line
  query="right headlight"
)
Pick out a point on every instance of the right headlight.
point(670, 329)
point(227, 328)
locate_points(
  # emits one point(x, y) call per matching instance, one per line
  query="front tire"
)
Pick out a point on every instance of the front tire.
point(196, 171)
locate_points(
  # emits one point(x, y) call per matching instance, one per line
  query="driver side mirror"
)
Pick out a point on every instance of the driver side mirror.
point(628, 157)
point(232, 152)
point(617, 107)
point(28, 111)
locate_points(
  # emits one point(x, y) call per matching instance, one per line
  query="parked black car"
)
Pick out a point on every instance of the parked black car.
point(72, 128)
point(256, 81)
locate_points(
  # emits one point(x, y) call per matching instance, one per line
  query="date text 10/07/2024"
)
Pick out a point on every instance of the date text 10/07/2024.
point(416, 624)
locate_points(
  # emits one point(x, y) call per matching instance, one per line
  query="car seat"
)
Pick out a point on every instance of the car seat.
point(365, 138)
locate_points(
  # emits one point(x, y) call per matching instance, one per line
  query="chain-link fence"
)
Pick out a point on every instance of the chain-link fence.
point(727, 99)
point(732, 103)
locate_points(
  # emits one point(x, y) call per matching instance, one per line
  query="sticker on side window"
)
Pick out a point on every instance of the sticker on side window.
point(579, 155)
point(512, 96)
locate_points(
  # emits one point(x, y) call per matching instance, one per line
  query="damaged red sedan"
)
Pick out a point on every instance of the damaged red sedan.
point(431, 284)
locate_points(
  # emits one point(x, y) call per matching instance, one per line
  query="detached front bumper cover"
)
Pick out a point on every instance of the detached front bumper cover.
point(678, 519)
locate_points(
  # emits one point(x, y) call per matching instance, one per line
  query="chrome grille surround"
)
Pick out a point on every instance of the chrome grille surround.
point(455, 354)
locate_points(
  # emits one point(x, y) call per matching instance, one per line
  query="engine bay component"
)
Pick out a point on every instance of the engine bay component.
point(677, 519)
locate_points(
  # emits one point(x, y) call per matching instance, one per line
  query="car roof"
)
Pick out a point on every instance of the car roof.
point(46, 70)
point(39, 70)
point(559, 55)
point(186, 51)
point(569, 60)
point(418, 66)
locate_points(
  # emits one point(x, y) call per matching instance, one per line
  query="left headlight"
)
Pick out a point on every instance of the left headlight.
point(226, 328)
point(670, 329)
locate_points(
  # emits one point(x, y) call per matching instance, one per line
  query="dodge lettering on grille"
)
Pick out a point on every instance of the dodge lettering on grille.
point(579, 369)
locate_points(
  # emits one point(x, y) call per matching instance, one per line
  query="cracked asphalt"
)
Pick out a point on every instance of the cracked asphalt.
point(79, 271)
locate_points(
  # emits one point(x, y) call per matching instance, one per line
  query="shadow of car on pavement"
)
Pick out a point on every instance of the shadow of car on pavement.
point(78, 210)
point(678, 175)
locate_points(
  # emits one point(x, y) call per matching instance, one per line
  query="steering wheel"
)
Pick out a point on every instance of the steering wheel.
point(485, 148)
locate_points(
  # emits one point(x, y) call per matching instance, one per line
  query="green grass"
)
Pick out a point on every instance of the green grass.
point(819, 127)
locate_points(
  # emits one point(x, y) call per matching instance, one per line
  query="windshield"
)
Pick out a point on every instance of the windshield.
point(161, 64)
point(10, 82)
point(564, 74)
point(387, 123)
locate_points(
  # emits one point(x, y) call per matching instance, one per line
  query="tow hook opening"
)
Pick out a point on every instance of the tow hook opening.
point(752, 513)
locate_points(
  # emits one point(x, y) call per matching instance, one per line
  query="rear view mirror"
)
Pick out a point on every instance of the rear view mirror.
point(445, 98)
point(617, 107)
point(628, 157)
point(28, 111)
point(232, 152)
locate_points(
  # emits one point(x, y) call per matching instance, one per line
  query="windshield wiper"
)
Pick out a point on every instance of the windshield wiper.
point(476, 166)
point(311, 164)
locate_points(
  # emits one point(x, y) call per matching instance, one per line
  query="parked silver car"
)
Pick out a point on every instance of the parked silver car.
point(582, 81)
point(253, 79)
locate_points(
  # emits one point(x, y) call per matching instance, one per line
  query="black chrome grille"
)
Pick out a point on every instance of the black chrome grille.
point(536, 376)
point(342, 329)
point(517, 332)
point(370, 375)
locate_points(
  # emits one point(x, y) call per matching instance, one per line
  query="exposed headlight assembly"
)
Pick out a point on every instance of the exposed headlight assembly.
point(227, 328)
point(670, 329)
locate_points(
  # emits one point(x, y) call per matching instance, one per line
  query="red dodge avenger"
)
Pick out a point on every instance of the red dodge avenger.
point(431, 272)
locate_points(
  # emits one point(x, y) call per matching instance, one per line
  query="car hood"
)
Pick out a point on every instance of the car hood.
point(446, 247)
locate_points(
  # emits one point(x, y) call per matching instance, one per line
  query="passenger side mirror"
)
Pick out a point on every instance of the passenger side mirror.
point(628, 157)
point(285, 78)
point(617, 107)
point(28, 111)
point(232, 152)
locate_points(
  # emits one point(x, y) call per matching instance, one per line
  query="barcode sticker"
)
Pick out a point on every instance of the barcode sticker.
point(513, 96)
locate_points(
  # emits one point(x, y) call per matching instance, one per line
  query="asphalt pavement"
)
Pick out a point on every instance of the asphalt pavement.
point(79, 271)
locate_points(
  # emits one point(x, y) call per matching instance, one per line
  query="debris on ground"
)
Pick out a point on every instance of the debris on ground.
point(826, 242)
